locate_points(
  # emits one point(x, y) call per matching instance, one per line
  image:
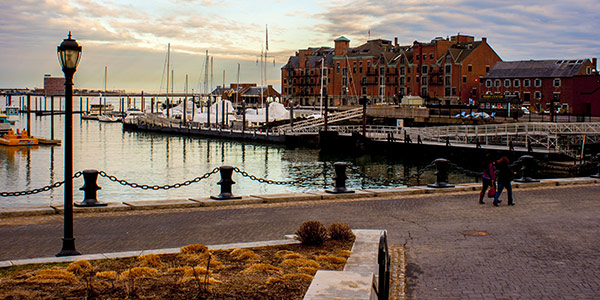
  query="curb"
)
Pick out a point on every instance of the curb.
point(63, 259)
point(282, 198)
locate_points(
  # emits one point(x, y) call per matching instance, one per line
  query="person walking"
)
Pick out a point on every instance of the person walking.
point(504, 175)
point(488, 175)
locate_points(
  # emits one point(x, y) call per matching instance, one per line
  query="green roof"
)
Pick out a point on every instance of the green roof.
point(342, 39)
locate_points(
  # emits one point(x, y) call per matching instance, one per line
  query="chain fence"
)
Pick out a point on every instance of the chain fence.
point(38, 190)
point(157, 187)
point(304, 181)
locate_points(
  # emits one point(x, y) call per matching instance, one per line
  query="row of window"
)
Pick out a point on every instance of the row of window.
point(517, 82)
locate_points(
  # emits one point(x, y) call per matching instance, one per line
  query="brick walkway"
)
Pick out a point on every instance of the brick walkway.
point(545, 247)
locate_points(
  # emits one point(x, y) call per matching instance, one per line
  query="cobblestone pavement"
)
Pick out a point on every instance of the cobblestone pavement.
point(545, 247)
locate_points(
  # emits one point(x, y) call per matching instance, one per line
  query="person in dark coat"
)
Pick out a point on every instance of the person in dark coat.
point(504, 176)
point(488, 175)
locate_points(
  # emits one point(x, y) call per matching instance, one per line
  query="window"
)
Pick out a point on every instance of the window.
point(588, 70)
point(337, 68)
point(431, 56)
point(470, 68)
point(487, 69)
point(464, 79)
point(537, 95)
point(526, 82)
point(424, 70)
point(448, 69)
point(448, 81)
point(488, 83)
point(517, 83)
point(538, 82)
point(382, 70)
point(507, 93)
point(556, 82)
point(363, 80)
point(424, 91)
point(506, 82)
point(497, 83)
point(364, 90)
point(424, 80)
point(401, 70)
point(344, 71)
point(408, 79)
point(401, 80)
point(402, 59)
point(424, 56)
point(381, 90)
point(517, 94)
point(447, 92)
point(556, 97)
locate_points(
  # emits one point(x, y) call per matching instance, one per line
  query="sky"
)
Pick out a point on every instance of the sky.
point(129, 37)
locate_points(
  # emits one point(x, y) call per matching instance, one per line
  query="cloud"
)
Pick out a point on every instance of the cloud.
point(515, 25)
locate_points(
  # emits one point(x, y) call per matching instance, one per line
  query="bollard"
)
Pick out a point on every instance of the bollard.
point(527, 169)
point(89, 189)
point(441, 173)
point(383, 260)
point(340, 179)
point(597, 175)
point(225, 183)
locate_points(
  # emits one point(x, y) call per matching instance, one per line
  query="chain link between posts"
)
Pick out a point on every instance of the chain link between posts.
point(39, 190)
point(157, 187)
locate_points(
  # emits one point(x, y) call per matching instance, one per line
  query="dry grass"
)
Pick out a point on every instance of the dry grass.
point(196, 274)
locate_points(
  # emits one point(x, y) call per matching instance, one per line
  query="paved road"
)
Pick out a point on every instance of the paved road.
point(545, 247)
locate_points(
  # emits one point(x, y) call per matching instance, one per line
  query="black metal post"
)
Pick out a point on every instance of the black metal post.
point(89, 188)
point(527, 169)
point(340, 179)
point(597, 175)
point(225, 183)
point(441, 173)
point(52, 117)
point(68, 248)
point(326, 101)
point(383, 260)
point(243, 116)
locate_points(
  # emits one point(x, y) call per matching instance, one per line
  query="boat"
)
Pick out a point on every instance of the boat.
point(131, 115)
point(97, 110)
point(21, 138)
point(12, 114)
point(4, 124)
point(109, 118)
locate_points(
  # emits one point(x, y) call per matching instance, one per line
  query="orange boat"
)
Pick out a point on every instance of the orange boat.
point(20, 139)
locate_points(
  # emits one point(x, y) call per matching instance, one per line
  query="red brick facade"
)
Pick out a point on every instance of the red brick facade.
point(385, 72)
point(571, 84)
point(54, 85)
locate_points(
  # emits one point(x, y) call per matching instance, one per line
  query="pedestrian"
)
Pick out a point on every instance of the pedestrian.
point(488, 175)
point(504, 175)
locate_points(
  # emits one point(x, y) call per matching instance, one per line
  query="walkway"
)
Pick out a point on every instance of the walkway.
point(545, 247)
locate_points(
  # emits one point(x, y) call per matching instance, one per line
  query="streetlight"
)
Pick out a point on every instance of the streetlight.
point(69, 53)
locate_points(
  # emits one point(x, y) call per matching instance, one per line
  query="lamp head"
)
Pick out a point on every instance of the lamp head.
point(69, 53)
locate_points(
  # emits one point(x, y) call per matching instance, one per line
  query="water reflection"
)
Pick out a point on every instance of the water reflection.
point(159, 159)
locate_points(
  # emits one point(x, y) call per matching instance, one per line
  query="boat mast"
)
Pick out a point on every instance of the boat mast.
point(265, 62)
point(105, 78)
point(168, 68)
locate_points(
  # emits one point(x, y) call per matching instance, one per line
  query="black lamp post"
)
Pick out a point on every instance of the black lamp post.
point(69, 53)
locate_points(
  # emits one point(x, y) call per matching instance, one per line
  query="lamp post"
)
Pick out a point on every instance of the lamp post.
point(69, 53)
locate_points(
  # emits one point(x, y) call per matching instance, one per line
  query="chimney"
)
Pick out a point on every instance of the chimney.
point(396, 41)
point(484, 39)
point(594, 63)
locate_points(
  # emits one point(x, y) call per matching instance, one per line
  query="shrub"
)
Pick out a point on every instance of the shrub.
point(312, 233)
point(331, 259)
point(340, 232)
point(290, 277)
point(308, 270)
point(292, 256)
point(194, 248)
point(274, 280)
point(244, 254)
point(300, 263)
point(53, 277)
point(343, 253)
point(150, 260)
point(79, 267)
point(281, 253)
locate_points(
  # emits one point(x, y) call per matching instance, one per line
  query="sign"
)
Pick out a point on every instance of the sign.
point(399, 122)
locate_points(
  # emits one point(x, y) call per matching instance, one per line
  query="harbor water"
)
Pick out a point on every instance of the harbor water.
point(159, 159)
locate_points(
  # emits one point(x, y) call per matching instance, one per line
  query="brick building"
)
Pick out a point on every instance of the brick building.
point(54, 85)
point(571, 84)
point(444, 69)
